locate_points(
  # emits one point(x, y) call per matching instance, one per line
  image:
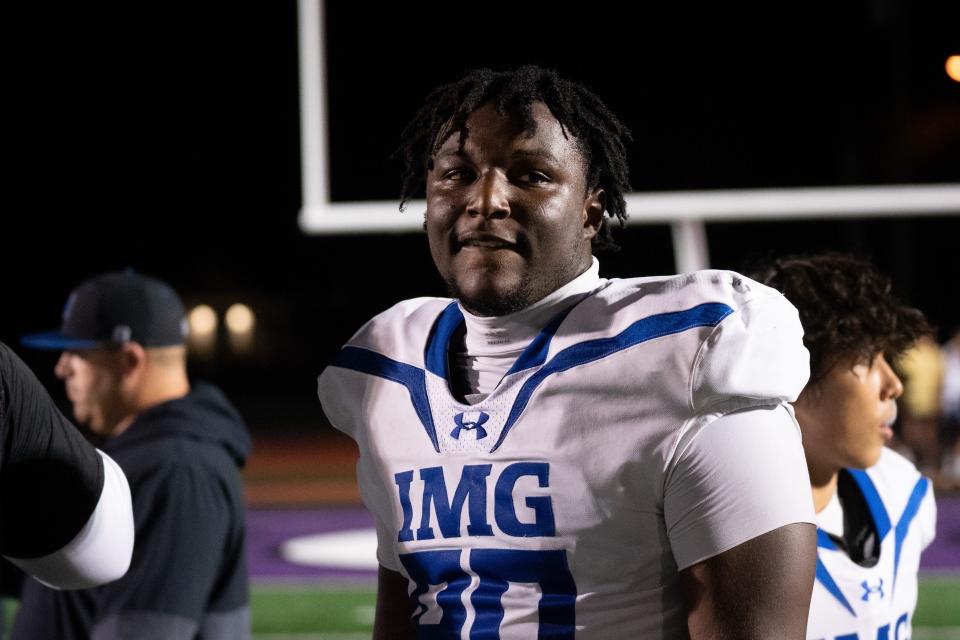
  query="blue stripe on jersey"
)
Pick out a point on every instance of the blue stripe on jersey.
point(446, 324)
point(536, 352)
point(704, 315)
point(824, 577)
point(903, 526)
point(451, 318)
point(874, 503)
point(413, 378)
point(824, 541)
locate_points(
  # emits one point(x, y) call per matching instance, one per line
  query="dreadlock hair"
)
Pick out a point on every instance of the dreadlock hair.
point(846, 307)
point(600, 136)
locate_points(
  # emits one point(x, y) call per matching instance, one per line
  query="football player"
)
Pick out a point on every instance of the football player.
point(875, 512)
point(549, 453)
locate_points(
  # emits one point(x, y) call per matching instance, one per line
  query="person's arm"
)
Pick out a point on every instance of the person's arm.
point(100, 552)
point(65, 511)
point(757, 590)
point(740, 519)
point(392, 621)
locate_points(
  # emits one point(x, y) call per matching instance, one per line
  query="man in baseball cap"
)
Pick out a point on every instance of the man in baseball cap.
point(181, 446)
point(122, 339)
point(117, 307)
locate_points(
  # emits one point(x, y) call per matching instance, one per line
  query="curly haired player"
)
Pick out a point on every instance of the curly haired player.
point(875, 512)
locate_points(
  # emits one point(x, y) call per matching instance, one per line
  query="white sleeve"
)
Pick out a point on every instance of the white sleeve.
point(737, 477)
point(101, 551)
point(755, 353)
point(337, 390)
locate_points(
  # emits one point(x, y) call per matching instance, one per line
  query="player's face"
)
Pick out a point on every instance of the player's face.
point(844, 416)
point(509, 218)
point(92, 381)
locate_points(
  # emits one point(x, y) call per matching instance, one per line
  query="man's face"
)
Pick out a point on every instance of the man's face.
point(92, 381)
point(844, 416)
point(509, 218)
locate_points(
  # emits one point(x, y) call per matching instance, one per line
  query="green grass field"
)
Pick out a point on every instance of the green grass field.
point(311, 612)
point(315, 613)
point(938, 604)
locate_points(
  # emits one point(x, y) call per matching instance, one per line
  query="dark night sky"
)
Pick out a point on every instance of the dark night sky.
point(167, 138)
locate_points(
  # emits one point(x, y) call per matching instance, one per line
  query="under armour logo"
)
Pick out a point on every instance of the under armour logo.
point(470, 425)
point(869, 591)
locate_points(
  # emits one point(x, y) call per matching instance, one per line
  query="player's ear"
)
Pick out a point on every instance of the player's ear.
point(593, 207)
point(132, 358)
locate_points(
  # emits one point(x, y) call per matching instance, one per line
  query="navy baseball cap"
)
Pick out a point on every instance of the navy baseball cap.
point(117, 308)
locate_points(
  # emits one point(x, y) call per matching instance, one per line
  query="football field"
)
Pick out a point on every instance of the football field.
point(313, 575)
point(311, 550)
point(345, 612)
point(328, 592)
point(330, 612)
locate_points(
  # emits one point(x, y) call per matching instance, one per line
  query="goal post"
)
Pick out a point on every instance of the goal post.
point(687, 212)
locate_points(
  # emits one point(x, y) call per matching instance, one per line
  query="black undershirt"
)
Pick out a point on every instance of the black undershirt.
point(861, 540)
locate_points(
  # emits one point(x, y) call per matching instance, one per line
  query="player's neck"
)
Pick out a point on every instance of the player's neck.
point(823, 484)
point(501, 335)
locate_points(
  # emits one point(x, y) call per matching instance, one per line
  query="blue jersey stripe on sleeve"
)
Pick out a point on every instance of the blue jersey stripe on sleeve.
point(663, 324)
point(413, 378)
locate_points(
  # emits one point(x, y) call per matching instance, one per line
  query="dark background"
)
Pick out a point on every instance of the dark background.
point(166, 138)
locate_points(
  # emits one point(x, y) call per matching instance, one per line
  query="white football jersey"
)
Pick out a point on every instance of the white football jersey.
point(643, 430)
point(851, 602)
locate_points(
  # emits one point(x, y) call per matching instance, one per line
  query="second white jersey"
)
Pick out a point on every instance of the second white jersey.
point(851, 602)
point(643, 430)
